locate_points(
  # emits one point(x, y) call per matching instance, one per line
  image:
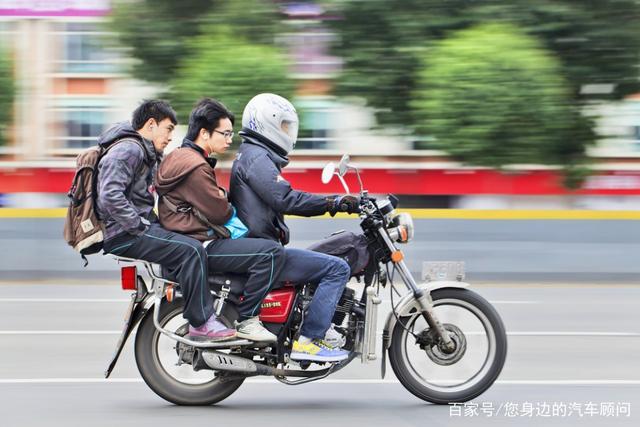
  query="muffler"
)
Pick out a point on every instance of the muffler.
point(211, 359)
point(226, 362)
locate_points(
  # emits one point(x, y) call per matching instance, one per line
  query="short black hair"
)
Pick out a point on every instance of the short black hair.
point(152, 109)
point(207, 114)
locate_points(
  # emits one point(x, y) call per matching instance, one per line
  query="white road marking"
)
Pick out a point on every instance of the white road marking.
point(514, 302)
point(574, 334)
point(54, 300)
point(591, 382)
point(60, 332)
point(513, 333)
point(387, 301)
point(112, 300)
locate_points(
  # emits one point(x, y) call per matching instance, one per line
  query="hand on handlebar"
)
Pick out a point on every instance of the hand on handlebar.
point(349, 204)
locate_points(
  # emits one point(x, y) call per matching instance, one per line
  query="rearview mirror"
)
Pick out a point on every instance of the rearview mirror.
point(344, 163)
point(328, 172)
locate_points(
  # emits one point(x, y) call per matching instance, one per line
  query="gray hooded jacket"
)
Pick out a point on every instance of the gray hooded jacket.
point(261, 195)
point(125, 176)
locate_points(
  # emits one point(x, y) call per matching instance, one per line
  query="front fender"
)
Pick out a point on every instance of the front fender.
point(408, 303)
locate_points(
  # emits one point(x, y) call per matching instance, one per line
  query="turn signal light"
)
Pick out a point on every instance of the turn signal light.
point(397, 256)
point(129, 278)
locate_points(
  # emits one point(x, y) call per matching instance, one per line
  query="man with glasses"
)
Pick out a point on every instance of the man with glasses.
point(125, 202)
point(192, 203)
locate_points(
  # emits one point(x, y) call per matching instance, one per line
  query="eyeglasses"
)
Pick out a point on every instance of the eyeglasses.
point(228, 134)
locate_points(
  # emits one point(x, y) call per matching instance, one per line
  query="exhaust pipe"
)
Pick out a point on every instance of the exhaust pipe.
point(211, 359)
point(226, 362)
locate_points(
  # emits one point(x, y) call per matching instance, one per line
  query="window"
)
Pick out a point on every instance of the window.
point(78, 121)
point(85, 50)
point(83, 127)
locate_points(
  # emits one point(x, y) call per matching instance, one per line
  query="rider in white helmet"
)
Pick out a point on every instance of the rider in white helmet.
point(262, 197)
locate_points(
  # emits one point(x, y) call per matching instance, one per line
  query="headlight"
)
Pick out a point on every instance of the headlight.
point(401, 229)
point(385, 206)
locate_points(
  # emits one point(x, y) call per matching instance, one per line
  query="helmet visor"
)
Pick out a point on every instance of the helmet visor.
point(290, 128)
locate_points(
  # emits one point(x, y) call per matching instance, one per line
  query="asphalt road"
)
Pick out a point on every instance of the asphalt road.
point(572, 348)
point(565, 289)
point(493, 250)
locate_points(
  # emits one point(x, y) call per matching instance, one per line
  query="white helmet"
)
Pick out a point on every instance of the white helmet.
point(274, 118)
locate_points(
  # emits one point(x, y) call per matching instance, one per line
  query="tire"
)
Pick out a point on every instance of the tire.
point(403, 343)
point(150, 352)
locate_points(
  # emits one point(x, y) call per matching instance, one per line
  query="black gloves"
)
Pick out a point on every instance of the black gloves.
point(349, 204)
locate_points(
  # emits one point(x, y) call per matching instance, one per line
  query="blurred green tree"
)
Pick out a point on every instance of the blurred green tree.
point(382, 42)
point(7, 94)
point(157, 32)
point(228, 67)
point(491, 95)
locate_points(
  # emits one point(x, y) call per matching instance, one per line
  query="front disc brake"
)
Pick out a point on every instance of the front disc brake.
point(432, 345)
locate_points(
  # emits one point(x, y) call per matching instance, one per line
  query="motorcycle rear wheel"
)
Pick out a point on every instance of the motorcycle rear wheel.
point(433, 375)
point(156, 357)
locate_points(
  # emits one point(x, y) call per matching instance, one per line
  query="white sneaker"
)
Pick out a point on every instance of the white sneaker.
point(333, 338)
point(252, 329)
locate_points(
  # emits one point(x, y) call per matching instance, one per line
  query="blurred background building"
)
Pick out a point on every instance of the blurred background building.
point(72, 81)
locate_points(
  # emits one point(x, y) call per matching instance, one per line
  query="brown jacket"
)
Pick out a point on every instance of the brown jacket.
point(188, 180)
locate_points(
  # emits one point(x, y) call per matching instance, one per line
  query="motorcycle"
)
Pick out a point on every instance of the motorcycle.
point(445, 343)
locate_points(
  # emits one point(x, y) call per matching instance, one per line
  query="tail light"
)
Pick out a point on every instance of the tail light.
point(129, 278)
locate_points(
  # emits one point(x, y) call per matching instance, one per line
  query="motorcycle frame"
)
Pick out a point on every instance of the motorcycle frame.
point(419, 298)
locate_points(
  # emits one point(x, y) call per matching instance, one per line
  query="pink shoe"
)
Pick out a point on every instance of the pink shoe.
point(212, 330)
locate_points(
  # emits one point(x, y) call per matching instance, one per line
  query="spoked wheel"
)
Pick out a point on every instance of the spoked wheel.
point(431, 372)
point(157, 357)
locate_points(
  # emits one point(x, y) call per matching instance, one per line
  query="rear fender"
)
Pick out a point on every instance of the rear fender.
point(133, 317)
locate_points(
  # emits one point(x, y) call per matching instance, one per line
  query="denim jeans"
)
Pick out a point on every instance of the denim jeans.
point(260, 259)
point(330, 273)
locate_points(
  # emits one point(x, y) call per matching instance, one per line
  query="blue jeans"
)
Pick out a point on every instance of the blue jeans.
point(330, 273)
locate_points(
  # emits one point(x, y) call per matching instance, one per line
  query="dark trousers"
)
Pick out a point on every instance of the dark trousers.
point(330, 273)
point(184, 256)
point(261, 259)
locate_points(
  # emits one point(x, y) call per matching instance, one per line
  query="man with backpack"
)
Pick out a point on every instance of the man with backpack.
point(125, 202)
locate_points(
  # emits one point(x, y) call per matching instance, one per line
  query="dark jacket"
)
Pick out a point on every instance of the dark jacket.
point(261, 195)
point(187, 178)
point(124, 186)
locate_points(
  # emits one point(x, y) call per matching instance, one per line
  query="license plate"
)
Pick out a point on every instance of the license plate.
point(443, 270)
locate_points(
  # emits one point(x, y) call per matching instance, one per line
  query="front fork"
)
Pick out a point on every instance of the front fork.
point(423, 298)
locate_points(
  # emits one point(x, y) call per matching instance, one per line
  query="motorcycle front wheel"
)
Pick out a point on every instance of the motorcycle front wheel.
point(435, 375)
point(157, 360)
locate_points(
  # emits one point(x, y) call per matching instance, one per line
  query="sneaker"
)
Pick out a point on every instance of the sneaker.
point(317, 351)
point(252, 329)
point(212, 330)
point(333, 338)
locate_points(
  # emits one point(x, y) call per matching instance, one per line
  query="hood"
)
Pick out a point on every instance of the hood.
point(176, 166)
point(276, 154)
point(125, 130)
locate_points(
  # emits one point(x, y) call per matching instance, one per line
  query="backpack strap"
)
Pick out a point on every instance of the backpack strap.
point(220, 230)
point(129, 139)
point(145, 161)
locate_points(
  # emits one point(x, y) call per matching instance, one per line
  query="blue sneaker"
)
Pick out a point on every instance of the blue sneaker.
point(317, 351)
